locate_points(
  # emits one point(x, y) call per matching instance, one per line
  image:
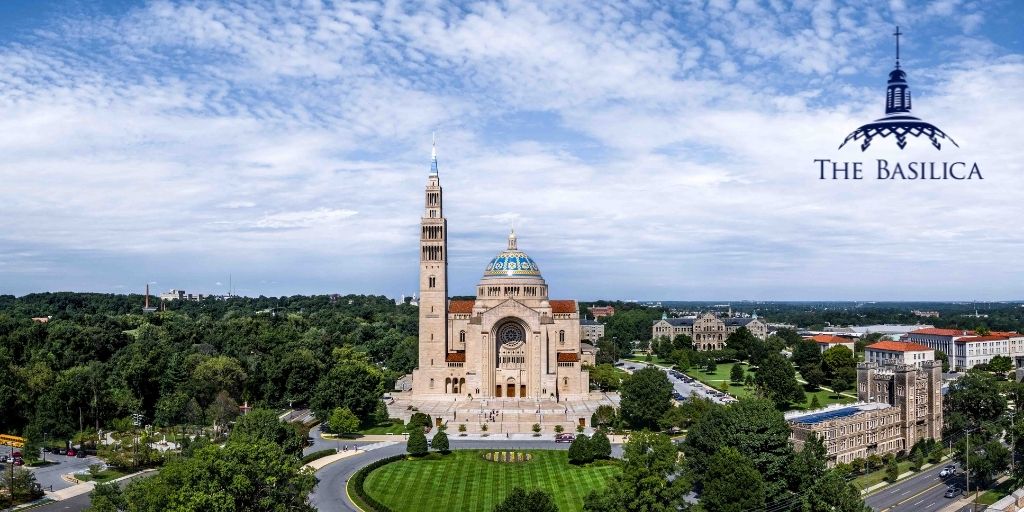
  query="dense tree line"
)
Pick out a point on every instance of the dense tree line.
point(98, 358)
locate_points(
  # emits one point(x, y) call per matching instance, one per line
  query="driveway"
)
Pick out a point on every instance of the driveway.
point(678, 385)
point(50, 475)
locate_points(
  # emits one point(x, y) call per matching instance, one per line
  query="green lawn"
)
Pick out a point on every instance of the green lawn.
point(103, 476)
point(878, 476)
point(825, 398)
point(390, 428)
point(463, 480)
point(997, 493)
point(721, 375)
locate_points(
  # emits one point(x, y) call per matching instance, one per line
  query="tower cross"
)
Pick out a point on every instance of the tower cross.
point(897, 34)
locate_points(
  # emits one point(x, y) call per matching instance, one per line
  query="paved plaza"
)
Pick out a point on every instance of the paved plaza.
point(502, 415)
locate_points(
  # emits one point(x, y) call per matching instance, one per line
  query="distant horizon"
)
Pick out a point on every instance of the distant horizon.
point(723, 302)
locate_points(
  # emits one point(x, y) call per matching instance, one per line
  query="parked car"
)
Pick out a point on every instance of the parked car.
point(565, 438)
point(71, 452)
point(18, 462)
point(61, 451)
point(949, 470)
point(81, 454)
point(953, 492)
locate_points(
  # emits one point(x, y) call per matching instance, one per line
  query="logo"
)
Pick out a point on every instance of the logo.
point(902, 126)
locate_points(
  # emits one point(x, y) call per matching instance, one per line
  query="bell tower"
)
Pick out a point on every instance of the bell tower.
point(433, 338)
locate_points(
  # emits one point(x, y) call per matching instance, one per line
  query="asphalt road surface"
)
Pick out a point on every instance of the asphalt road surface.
point(678, 385)
point(921, 493)
point(50, 475)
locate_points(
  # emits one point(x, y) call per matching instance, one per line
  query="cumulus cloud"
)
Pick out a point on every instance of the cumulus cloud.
point(642, 151)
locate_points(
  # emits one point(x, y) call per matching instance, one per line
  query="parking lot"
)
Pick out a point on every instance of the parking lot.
point(683, 386)
point(49, 475)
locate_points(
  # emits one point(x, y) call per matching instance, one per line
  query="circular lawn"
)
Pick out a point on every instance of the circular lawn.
point(465, 480)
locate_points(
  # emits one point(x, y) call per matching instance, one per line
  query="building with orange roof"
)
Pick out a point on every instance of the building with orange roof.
point(827, 341)
point(898, 352)
point(967, 349)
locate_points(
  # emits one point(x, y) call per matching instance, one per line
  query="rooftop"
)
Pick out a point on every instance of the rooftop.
point(898, 346)
point(835, 412)
point(942, 332)
point(830, 339)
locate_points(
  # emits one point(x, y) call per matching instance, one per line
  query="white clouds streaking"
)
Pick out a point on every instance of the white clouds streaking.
point(665, 148)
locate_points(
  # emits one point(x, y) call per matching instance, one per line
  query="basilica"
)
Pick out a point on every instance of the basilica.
point(511, 342)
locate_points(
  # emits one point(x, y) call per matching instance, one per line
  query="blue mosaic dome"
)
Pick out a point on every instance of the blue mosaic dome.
point(512, 263)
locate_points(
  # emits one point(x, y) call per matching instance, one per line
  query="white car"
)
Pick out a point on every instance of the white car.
point(947, 471)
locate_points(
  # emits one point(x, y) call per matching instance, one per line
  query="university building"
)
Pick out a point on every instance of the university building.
point(966, 349)
point(707, 330)
point(591, 331)
point(898, 405)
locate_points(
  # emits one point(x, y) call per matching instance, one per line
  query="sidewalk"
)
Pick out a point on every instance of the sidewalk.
point(323, 461)
point(476, 436)
point(86, 487)
point(969, 499)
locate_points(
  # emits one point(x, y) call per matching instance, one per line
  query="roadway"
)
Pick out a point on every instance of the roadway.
point(49, 476)
point(920, 493)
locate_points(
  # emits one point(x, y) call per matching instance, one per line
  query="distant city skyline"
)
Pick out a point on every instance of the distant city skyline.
point(644, 152)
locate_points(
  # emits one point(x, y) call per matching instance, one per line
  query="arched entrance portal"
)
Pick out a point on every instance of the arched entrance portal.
point(510, 384)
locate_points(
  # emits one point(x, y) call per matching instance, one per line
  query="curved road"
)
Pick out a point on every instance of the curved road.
point(330, 495)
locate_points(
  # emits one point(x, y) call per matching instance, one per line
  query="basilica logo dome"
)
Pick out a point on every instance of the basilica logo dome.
point(512, 263)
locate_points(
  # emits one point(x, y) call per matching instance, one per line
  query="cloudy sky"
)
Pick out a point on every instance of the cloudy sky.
point(644, 151)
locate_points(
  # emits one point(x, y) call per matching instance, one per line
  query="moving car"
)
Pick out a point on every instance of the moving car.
point(949, 470)
point(953, 492)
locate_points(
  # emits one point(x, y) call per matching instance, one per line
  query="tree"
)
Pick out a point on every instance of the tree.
point(262, 424)
point(1000, 364)
point(813, 375)
point(833, 493)
point(988, 459)
point(732, 484)
point(815, 404)
point(649, 459)
point(216, 374)
point(858, 465)
point(972, 399)
point(440, 442)
point(580, 450)
point(646, 395)
point(520, 500)
point(742, 341)
point(917, 460)
point(941, 356)
point(417, 443)
point(604, 416)
point(736, 374)
point(892, 471)
point(343, 421)
point(606, 377)
point(838, 361)
point(809, 464)
point(754, 427)
point(223, 409)
point(24, 484)
point(353, 384)
point(600, 446)
point(776, 378)
point(806, 353)
point(607, 352)
point(874, 461)
point(839, 385)
point(106, 498)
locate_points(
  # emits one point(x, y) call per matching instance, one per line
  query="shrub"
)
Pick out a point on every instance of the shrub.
point(559, 429)
point(536, 427)
point(892, 471)
point(306, 459)
point(579, 450)
point(440, 442)
point(600, 446)
point(417, 444)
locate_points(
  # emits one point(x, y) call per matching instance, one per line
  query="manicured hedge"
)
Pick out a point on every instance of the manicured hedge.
point(306, 459)
point(356, 484)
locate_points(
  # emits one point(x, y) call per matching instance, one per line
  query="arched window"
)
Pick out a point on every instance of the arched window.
point(561, 337)
point(462, 336)
point(431, 383)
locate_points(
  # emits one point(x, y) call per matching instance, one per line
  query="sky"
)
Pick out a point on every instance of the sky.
point(642, 150)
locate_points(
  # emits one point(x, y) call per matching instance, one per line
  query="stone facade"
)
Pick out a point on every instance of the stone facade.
point(591, 331)
point(707, 330)
point(899, 405)
point(510, 342)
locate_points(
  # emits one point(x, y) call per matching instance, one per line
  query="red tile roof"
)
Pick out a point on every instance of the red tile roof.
point(563, 306)
point(568, 357)
point(461, 306)
point(941, 332)
point(897, 346)
point(455, 357)
point(971, 339)
point(830, 339)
